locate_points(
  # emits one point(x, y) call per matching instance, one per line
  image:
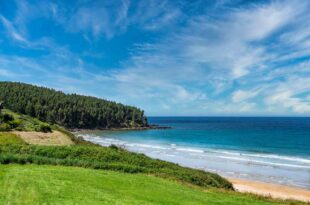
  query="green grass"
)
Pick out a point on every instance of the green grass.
point(33, 184)
point(108, 159)
point(10, 138)
point(24, 122)
point(88, 155)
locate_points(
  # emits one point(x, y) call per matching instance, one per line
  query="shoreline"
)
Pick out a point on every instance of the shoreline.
point(253, 186)
point(276, 191)
point(150, 127)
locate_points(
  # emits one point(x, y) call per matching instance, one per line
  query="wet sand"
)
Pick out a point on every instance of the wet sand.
point(273, 190)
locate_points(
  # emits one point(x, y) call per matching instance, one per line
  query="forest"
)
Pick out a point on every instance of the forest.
point(69, 110)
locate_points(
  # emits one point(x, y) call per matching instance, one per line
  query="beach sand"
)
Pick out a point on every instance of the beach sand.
point(273, 190)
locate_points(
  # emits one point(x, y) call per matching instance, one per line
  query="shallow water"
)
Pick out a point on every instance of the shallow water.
point(275, 150)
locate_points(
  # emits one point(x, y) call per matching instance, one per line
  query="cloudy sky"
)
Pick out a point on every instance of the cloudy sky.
point(173, 57)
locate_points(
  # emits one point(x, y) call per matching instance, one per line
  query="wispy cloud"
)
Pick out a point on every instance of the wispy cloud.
point(12, 32)
point(109, 18)
point(228, 58)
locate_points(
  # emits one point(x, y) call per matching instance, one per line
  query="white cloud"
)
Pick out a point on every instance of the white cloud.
point(154, 15)
point(110, 18)
point(231, 43)
point(240, 95)
point(286, 99)
point(288, 95)
point(12, 31)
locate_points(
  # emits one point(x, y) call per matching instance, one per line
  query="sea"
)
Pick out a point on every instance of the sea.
point(266, 149)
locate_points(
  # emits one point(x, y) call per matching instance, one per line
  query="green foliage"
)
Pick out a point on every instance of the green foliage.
point(7, 122)
point(32, 184)
point(4, 127)
point(13, 121)
point(44, 128)
point(69, 110)
point(1, 106)
point(7, 117)
point(10, 138)
point(109, 159)
point(113, 146)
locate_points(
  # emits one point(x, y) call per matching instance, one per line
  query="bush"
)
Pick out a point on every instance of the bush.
point(44, 128)
point(5, 127)
point(113, 146)
point(7, 117)
point(14, 124)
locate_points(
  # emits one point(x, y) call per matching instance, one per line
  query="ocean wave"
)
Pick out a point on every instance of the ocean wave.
point(189, 150)
point(254, 158)
point(266, 163)
point(266, 156)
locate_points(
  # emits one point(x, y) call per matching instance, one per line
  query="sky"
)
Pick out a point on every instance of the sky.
point(168, 57)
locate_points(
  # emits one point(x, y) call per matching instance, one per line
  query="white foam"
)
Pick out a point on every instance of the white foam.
point(189, 150)
point(265, 163)
point(226, 162)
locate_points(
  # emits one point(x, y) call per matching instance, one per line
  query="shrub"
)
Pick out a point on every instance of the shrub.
point(44, 128)
point(113, 146)
point(7, 117)
point(14, 124)
point(5, 127)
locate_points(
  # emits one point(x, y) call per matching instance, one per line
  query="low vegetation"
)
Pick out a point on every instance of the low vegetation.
point(10, 138)
point(34, 131)
point(33, 184)
point(108, 159)
point(12, 121)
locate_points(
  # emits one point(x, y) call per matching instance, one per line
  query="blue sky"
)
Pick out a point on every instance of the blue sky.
point(170, 57)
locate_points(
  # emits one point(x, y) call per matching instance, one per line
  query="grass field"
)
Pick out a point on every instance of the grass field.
point(44, 184)
point(7, 138)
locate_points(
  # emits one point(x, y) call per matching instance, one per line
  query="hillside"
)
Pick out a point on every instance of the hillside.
point(24, 135)
point(34, 131)
point(33, 184)
point(69, 110)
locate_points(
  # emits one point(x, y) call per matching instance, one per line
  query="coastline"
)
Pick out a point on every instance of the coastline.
point(253, 186)
point(150, 127)
point(269, 189)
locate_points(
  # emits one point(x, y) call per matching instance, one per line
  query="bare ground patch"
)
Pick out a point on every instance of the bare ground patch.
point(41, 138)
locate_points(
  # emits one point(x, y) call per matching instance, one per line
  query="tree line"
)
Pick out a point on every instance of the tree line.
point(69, 110)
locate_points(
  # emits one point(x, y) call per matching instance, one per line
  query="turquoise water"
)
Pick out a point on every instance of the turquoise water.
point(265, 149)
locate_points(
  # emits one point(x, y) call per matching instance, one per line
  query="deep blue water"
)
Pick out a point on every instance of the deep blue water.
point(278, 135)
point(270, 149)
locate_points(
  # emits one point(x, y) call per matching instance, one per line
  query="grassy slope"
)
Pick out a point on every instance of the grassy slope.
point(25, 122)
point(30, 124)
point(10, 138)
point(33, 184)
point(107, 159)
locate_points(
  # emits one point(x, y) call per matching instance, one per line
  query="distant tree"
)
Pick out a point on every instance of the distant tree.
point(1, 106)
point(69, 110)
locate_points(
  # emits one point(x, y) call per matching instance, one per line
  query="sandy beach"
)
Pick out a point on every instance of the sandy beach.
point(273, 190)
